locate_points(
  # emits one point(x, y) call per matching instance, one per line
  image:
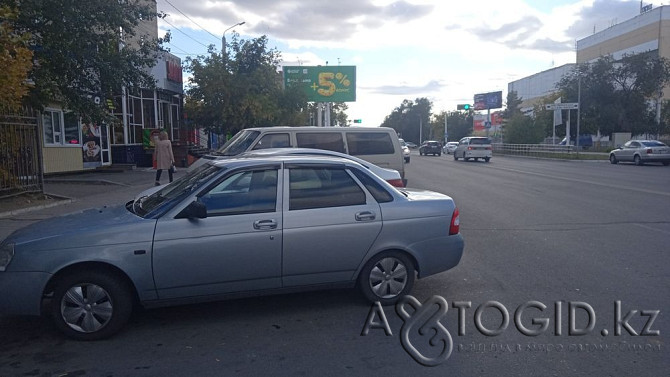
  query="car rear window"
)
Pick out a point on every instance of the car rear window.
point(653, 144)
point(480, 141)
point(331, 141)
point(367, 143)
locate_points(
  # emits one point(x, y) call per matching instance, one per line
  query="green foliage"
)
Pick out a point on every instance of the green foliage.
point(76, 51)
point(459, 125)
point(521, 129)
point(407, 117)
point(615, 95)
point(241, 89)
point(513, 105)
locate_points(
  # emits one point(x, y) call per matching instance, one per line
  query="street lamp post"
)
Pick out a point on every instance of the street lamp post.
point(223, 37)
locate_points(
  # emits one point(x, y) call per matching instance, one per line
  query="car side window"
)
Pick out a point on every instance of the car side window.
point(243, 192)
point(322, 187)
point(331, 141)
point(273, 141)
point(367, 143)
point(634, 144)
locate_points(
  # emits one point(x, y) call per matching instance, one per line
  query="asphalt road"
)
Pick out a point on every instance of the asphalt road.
point(584, 234)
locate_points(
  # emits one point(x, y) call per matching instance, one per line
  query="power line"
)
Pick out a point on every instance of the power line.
point(179, 30)
point(189, 18)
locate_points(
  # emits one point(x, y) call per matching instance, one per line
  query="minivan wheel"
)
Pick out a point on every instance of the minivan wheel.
point(638, 160)
point(613, 160)
point(487, 159)
point(387, 277)
point(91, 305)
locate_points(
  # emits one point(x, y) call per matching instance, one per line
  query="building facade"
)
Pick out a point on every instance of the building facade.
point(70, 145)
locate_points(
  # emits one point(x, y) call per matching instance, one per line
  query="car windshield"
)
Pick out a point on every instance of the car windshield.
point(238, 143)
point(481, 140)
point(653, 144)
point(150, 205)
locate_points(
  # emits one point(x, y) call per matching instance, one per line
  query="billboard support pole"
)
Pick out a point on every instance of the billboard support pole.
point(488, 121)
point(319, 115)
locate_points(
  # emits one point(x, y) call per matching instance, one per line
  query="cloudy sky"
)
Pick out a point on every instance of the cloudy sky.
point(404, 49)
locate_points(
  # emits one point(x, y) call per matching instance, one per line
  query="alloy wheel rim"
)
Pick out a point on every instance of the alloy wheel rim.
point(388, 277)
point(86, 308)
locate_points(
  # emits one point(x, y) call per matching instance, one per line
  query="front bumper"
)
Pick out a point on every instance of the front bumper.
point(21, 292)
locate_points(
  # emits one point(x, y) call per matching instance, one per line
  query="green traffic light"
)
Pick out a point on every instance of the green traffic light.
point(466, 107)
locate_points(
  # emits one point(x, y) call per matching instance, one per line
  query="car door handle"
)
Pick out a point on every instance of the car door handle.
point(365, 216)
point(265, 224)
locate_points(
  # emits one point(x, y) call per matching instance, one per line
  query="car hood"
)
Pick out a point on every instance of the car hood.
point(94, 226)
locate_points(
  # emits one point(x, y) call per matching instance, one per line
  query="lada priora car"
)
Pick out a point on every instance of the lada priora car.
point(242, 226)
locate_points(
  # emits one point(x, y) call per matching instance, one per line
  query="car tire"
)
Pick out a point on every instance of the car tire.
point(666, 163)
point(638, 160)
point(81, 319)
point(455, 158)
point(439, 154)
point(387, 277)
point(487, 159)
point(466, 158)
point(407, 160)
point(613, 160)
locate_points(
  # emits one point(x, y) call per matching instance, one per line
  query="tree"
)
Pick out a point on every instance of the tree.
point(76, 47)
point(459, 125)
point(407, 117)
point(616, 94)
point(15, 60)
point(522, 129)
point(513, 105)
point(230, 92)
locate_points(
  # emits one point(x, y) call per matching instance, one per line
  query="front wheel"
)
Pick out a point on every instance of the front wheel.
point(387, 277)
point(613, 160)
point(91, 305)
point(455, 158)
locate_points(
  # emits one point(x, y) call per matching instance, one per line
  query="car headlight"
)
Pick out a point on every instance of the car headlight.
point(6, 254)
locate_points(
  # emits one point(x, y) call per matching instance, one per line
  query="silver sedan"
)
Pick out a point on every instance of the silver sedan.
point(230, 228)
point(642, 151)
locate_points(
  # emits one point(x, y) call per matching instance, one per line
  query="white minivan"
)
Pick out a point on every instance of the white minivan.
point(377, 145)
point(475, 148)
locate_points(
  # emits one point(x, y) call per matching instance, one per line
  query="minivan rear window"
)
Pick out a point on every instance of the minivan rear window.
point(368, 143)
point(481, 140)
point(331, 141)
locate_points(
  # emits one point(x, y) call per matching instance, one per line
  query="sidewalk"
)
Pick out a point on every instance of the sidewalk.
point(74, 192)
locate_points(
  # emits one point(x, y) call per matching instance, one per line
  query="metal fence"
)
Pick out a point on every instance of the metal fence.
point(534, 150)
point(20, 155)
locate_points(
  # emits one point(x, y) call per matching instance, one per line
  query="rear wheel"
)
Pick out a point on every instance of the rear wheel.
point(387, 277)
point(613, 160)
point(91, 305)
point(439, 154)
point(638, 160)
point(487, 159)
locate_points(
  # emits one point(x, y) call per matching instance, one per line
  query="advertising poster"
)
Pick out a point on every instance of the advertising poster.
point(323, 83)
point(91, 146)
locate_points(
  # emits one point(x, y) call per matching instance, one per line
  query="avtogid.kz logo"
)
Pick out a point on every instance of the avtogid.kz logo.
point(424, 319)
point(421, 322)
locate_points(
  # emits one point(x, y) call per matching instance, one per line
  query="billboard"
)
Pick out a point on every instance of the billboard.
point(323, 83)
point(484, 101)
point(480, 126)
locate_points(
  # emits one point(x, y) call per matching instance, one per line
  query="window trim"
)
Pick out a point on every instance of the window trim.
point(61, 131)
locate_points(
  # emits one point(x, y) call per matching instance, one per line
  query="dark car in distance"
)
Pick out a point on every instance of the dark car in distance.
point(430, 147)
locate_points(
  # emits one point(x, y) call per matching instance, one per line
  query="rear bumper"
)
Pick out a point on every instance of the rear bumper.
point(478, 154)
point(655, 158)
point(432, 260)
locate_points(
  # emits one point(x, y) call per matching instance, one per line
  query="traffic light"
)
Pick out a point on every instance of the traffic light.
point(463, 106)
point(358, 120)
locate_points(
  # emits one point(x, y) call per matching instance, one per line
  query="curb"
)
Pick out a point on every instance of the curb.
point(61, 200)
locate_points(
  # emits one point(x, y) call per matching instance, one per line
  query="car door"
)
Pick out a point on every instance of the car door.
point(629, 150)
point(330, 223)
point(237, 247)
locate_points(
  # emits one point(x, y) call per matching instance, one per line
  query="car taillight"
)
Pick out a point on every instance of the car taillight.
point(649, 151)
point(469, 148)
point(454, 228)
point(396, 182)
point(488, 148)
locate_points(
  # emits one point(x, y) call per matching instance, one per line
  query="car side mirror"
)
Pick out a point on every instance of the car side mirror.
point(195, 210)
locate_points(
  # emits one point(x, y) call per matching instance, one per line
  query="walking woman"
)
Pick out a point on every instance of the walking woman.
point(164, 157)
